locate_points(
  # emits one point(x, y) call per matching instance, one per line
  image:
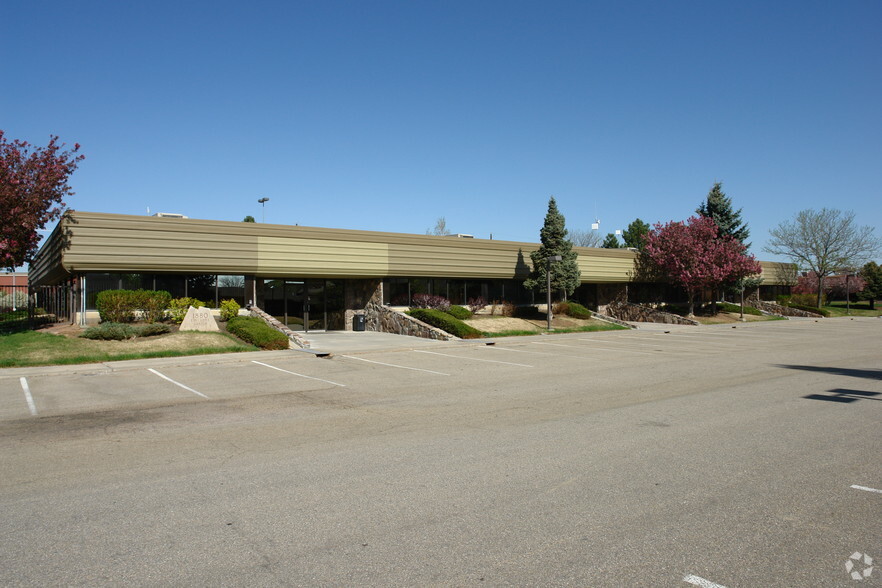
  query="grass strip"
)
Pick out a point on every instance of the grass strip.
point(34, 349)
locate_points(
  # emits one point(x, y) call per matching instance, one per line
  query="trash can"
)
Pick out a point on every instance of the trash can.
point(358, 322)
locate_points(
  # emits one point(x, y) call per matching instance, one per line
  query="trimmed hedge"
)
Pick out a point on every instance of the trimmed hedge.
point(459, 312)
point(119, 306)
point(153, 303)
point(253, 330)
point(122, 331)
point(573, 309)
point(445, 322)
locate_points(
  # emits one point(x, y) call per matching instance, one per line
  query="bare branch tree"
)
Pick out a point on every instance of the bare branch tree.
point(824, 242)
point(440, 228)
point(581, 238)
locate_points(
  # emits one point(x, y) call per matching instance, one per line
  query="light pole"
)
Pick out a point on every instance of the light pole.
point(551, 259)
point(263, 202)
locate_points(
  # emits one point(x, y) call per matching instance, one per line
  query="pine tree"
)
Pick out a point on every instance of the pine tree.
point(718, 207)
point(611, 242)
point(553, 238)
point(635, 235)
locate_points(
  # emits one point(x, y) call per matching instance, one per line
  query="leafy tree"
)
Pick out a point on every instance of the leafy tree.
point(872, 275)
point(581, 238)
point(553, 238)
point(695, 256)
point(718, 207)
point(440, 228)
point(33, 185)
point(635, 235)
point(823, 242)
point(611, 242)
point(249, 219)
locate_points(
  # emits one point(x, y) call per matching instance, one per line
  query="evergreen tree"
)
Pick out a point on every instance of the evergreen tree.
point(872, 275)
point(611, 242)
point(718, 207)
point(553, 238)
point(635, 234)
point(248, 219)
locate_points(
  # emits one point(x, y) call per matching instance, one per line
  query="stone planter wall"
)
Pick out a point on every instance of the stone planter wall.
point(611, 319)
point(779, 310)
point(383, 319)
point(295, 338)
point(627, 311)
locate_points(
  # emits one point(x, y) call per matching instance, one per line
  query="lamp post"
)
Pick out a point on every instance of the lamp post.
point(263, 202)
point(551, 259)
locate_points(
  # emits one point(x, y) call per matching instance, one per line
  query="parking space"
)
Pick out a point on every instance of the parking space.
point(614, 458)
point(386, 360)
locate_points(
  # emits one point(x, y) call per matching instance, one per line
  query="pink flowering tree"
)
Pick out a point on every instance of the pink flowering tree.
point(694, 255)
point(33, 185)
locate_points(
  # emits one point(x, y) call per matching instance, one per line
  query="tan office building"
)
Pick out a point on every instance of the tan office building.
point(310, 278)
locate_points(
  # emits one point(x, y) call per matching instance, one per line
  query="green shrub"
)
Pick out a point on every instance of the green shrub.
point(736, 308)
point(809, 300)
point(178, 307)
point(253, 330)
point(228, 309)
point(152, 329)
point(110, 332)
point(572, 309)
point(445, 322)
point(153, 303)
point(459, 312)
point(116, 306)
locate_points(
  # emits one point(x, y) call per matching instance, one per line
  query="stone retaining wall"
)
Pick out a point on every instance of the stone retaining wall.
point(295, 338)
point(381, 318)
point(611, 319)
point(637, 313)
point(779, 310)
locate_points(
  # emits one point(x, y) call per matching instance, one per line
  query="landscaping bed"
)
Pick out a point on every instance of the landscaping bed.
point(61, 344)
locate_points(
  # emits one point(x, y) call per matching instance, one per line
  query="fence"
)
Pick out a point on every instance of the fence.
point(24, 308)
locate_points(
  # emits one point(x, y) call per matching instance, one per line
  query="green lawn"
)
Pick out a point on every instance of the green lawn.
point(857, 309)
point(30, 348)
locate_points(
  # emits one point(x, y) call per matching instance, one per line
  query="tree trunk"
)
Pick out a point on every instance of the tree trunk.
point(820, 289)
point(691, 305)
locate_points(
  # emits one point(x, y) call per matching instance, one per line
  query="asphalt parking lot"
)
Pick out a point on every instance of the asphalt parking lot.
point(711, 456)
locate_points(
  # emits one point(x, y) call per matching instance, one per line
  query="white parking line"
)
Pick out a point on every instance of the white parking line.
point(272, 367)
point(856, 487)
point(151, 370)
point(471, 358)
point(28, 398)
point(697, 581)
point(516, 350)
point(621, 350)
point(403, 367)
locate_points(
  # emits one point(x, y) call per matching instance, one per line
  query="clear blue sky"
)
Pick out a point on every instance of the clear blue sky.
point(388, 115)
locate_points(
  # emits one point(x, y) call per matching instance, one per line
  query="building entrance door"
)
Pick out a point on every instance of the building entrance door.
point(297, 304)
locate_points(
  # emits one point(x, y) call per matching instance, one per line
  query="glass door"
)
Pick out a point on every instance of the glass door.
point(296, 305)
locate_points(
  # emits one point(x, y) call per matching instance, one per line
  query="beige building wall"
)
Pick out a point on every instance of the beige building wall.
point(99, 242)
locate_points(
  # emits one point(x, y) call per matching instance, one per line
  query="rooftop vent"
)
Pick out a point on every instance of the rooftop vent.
point(169, 215)
point(462, 236)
